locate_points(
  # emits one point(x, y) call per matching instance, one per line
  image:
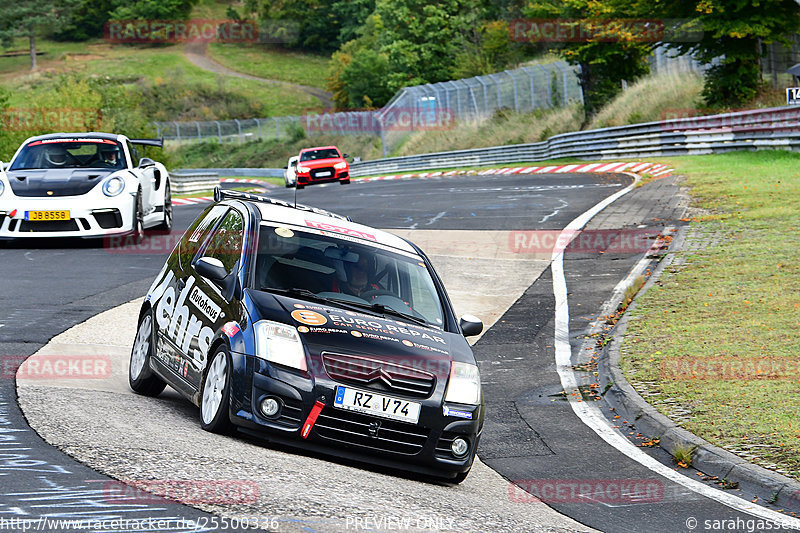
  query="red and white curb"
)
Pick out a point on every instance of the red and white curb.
point(655, 169)
point(206, 199)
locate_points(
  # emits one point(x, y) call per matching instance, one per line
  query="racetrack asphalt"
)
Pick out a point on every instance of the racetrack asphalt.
point(528, 436)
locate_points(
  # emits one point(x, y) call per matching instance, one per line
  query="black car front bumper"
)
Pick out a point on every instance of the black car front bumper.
point(424, 447)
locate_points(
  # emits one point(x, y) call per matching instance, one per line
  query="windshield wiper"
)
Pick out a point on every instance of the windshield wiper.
point(386, 310)
point(305, 293)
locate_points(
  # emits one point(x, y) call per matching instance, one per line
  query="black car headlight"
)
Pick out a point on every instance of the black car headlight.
point(464, 385)
point(280, 343)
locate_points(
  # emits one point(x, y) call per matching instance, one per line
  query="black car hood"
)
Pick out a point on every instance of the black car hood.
point(58, 181)
point(325, 328)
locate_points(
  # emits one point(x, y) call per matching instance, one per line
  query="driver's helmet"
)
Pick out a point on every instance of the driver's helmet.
point(55, 155)
point(109, 154)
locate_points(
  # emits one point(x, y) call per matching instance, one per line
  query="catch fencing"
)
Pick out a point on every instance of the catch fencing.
point(540, 86)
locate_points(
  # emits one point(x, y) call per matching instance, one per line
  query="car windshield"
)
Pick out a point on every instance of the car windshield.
point(325, 153)
point(348, 272)
point(77, 153)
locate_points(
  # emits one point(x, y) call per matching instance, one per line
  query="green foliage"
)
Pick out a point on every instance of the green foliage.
point(177, 100)
point(152, 9)
point(488, 50)
point(608, 56)
point(364, 79)
point(730, 35)
point(421, 40)
point(23, 18)
point(87, 21)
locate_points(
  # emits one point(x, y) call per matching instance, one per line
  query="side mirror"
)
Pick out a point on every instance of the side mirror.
point(211, 268)
point(346, 156)
point(146, 162)
point(470, 325)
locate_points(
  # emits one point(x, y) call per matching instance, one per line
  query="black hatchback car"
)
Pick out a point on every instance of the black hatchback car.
point(299, 326)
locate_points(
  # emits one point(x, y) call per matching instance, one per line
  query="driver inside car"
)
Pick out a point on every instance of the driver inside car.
point(357, 278)
point(109, 156)
point(56, 156)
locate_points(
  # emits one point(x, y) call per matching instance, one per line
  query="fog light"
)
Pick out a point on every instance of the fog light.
point(459, 447)
point(270, 407)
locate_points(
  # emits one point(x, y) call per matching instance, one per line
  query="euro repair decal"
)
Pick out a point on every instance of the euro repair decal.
point(309, 317)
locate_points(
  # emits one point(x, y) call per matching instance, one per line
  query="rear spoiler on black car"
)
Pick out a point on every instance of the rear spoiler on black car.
point(149, 142)
point(221, 194)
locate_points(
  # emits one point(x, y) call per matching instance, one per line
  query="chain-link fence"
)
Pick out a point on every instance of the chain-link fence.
point(432, 106)
point(423, 107)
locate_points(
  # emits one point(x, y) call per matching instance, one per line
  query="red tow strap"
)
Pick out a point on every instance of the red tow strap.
point(312, 419)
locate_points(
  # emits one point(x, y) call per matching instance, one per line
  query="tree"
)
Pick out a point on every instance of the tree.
point(607, 51)
point(23, 18)
point(421, 39)
point(732, 35)
point(152, 9)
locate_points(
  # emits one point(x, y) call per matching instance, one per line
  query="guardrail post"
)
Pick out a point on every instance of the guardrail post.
point(158, 129)
point(198, 130)
point(177, 131)
point(239, 128)
point(219, 131)
point(258, 124)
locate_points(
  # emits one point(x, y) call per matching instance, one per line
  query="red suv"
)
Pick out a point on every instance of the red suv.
point(320, 165)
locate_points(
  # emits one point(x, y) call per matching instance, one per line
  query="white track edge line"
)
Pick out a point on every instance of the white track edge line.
point(591, 415)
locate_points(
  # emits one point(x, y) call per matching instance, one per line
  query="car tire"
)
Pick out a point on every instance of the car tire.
point(166, 224)
point(137, 231)
point(345, 182)
point(140, 377)
point(216, 392)
point(298, 187)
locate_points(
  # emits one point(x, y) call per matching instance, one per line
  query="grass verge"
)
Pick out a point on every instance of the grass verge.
point(715, 343)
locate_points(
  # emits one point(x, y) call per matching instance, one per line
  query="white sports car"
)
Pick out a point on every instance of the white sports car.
point(83, 185)
point(290, 171)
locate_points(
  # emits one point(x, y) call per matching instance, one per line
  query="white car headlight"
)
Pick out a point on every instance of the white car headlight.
point(341, 165)
point(2, 187)
point(113, 186)
point(303, 169)
point(280, 343)
point(464, 385)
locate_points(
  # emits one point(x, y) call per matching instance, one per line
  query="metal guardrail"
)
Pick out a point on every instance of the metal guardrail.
point(237, 172)
point(759, 129)
point(746, 130)
point(188, 182)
